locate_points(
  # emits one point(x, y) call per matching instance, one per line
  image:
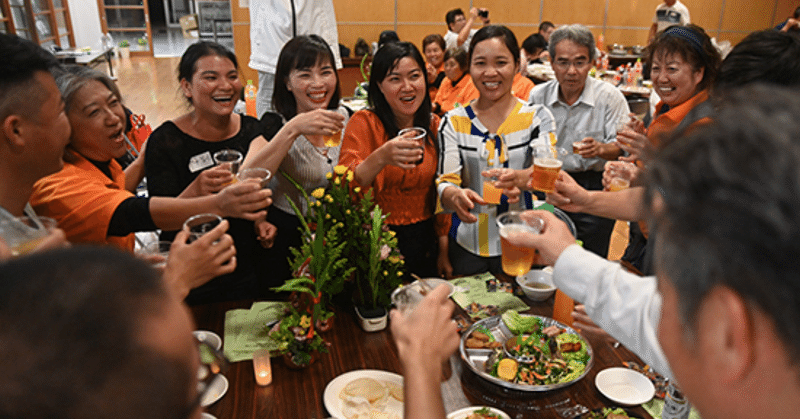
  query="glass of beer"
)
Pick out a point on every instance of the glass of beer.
point(263, 175)
point(233, 157)
point(516, 260)
point(24, 234)
point(200, 224)
point(333, 139)
point(491, 193)
point(547, 161)
point(416, 134)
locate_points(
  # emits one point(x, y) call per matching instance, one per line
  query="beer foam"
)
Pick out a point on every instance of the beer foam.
point(516, 229)
point(547, 162)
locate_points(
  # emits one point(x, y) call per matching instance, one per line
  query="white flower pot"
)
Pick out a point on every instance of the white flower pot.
point(372, 324)
point(124, 53)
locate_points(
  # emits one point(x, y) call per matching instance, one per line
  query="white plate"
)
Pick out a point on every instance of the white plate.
point(334, 403)
point(205, 415)
point(463, 413)
point(218, 389)
point(624, 386)
point(210, 337)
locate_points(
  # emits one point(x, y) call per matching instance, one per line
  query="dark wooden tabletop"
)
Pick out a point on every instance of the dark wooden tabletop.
point(298, 393)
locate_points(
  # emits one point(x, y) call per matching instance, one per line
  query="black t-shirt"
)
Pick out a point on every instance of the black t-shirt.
point(173, 159)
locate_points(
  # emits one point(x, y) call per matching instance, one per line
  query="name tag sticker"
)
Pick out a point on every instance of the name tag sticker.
point(200, 162)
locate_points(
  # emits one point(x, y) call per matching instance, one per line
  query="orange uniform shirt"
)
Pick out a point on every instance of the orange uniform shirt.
point(521, 87)
point(82, 199)
point(462, 93)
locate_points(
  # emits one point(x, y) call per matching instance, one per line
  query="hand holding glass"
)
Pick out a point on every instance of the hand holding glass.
point(517, 260)
point(229, 156)
point(24, 234)
point(263, 175)
point(416, 134)
point(547, 161)
point(200, 224)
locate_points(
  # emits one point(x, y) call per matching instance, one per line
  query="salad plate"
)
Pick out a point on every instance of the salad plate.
point(481, 360)
point(490, 412)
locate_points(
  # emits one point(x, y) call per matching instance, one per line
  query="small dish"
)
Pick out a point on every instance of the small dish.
point(217, 389)
point(544, 284)
point(624, 386)
point(205, 415)
point(209, 337)
point(465, 412)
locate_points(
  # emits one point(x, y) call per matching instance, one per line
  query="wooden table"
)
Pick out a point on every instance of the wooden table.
point(87, 58)
point(298, 393)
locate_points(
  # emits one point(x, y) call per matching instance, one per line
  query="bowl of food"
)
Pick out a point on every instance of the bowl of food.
point(537, 284)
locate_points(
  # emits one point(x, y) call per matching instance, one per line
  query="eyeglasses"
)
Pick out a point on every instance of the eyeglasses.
point(213, 363)
point(564, 64)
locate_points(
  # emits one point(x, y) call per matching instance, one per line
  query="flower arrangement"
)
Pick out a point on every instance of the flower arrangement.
point(142, 42)
point(124, 43)
point(349, 225)
point(297, 339)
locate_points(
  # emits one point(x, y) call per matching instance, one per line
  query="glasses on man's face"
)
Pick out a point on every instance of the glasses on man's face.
point(564, 64)
point(213, 364)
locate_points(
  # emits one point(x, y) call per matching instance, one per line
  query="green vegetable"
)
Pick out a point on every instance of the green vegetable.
point(581, 356)
point(518, 324)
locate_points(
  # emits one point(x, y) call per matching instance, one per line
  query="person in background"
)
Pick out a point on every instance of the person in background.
point(522, 86)
point(546, 28)
point(94, 333)
point(587, 112)
point(726, 298)
point(457, 88)
point(34, 129)
point(489, 137)
point(389, 163)
point(669, 13)
point(179, 163)
point(533, 49)
point(306, 97)
point(433, 47)
point(792, 24)
point(766, 56)
point(459, 29)
point(387, 36)
point(274, 23)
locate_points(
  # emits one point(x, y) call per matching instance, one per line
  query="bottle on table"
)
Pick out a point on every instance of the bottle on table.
point(250, 99)
point(675, 404)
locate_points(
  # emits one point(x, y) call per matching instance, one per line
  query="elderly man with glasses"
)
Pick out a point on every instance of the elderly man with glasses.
point(586, 111)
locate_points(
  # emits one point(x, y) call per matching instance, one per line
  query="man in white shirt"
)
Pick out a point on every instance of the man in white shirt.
point(272, 24)
point(669, 13)
point(586, 111)
point(459, 33)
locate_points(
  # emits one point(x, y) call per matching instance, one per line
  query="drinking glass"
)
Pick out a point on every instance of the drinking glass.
point(416, 134)
point(156, 253)
point(23, 234)
point(517, 260)
point(200, 224)
point(491, 194)
point(263, 175)
point(333, 139)
point(229, 156)
point(547, 162)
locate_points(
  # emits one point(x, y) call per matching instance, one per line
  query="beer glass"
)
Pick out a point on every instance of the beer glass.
point(23, 234)
point(333, 139)
point(263, 175)
point(229, 156)
point(547, 161)
point(416, 134)
point(200, 224)
point(517, 260)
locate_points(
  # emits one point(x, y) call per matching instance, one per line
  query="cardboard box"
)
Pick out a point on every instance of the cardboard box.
point(189, 26)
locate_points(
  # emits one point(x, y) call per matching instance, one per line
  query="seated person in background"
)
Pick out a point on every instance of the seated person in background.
point(586, 111)
point(791, 24)
point(522, 86)
point(387, 36)
point(533, 48)
point(33, 128)
point(546, 28)
point(93, 333)
point(457, 88)
point(726, 300)
point(765, 56)
point(459, 29)
point(433, 48)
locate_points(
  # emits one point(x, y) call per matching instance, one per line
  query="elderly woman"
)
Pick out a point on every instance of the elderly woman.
point(433, 47)
point(457, 88)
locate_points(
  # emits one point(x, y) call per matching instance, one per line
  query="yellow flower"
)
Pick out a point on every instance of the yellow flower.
point(336, 181)
point(327, 216)
point(341, 225)
point(394, 259)
point(349, 176)
point(340, 169)
point(305, 322)
point(357, 189)
point(328, 175)
point(392, 232)
point(318, 193)
point(319, 204)
point(399, 273)
point(329, 198)
point(385, 273)
point(347, 212)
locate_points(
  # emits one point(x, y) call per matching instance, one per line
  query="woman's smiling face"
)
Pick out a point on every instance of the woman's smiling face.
point(313, 87)
point(404, 89)
point(674, 79)
point(215, 85)
point(97, 119)
point(492, 69)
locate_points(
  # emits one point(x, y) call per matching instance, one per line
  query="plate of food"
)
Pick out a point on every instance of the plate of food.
point(478, 412)
point(607, 413)
point(216, 390)
point(365, 394)
point(624, 386)
point(526, 352)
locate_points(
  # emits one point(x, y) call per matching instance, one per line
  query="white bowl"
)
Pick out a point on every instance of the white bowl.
point(541, 277)
point(624, 386)
point(465, 412)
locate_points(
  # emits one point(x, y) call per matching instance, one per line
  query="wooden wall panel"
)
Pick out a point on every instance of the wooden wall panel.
point(746, 15)
point(587, 12)
point(428, 11)
point(783, 10)
point(637, 13)
point(415, 32)
point(364, 10)
point(707, 12)
point(626, 36)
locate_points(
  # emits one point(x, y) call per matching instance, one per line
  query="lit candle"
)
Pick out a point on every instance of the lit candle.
point(262, 367)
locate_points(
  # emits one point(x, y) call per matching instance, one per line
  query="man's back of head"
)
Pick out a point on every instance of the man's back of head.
point(726, 202)
point(771, 57)
point(71, 343)
point(21, 61)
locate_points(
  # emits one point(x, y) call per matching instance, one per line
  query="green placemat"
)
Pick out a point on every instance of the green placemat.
point(246, 330)
point(655, 406)
point(472, 289)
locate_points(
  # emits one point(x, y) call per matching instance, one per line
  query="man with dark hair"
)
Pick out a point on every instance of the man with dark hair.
point(791, 24)
point(767, 56)
point(34, 129)
point(459, 29)
point(546, 28)
point(726, 298)
point(93, 333)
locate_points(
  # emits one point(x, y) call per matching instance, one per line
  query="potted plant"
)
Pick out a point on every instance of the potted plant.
point(142, 43)
point(297, 340)
point(124, 49)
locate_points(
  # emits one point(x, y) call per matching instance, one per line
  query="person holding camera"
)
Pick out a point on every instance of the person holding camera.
point(460, 30)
